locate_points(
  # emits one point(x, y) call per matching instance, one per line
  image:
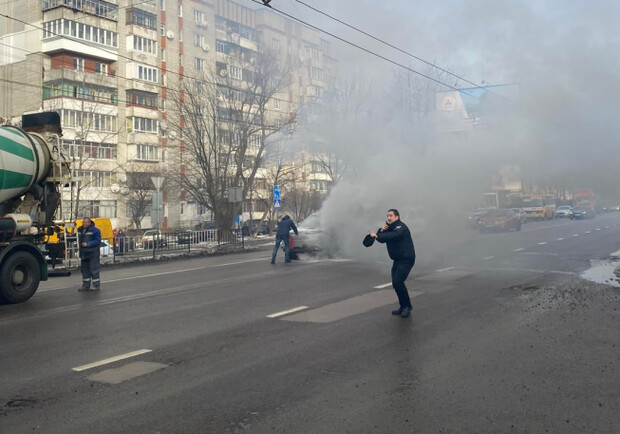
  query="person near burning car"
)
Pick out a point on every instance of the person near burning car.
point(285, 225)
point(89, 238)
point(397, 237)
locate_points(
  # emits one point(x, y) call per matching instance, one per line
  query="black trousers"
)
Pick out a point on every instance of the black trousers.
point(90, 269)
point(400, 271)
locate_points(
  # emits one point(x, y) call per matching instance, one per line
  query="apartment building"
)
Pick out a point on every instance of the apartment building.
point(105, 66)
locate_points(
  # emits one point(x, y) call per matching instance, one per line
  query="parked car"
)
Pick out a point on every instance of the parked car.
point(563, 211)
point(499, 219)
point(152, 238)
point(263, 229)
point(582, 212)
point(105, 248)
point(522, 215)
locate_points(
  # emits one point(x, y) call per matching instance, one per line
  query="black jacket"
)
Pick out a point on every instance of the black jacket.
point(284, 227)
point(398, 240)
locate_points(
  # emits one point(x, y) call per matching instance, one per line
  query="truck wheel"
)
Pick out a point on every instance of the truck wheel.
point(19, 277)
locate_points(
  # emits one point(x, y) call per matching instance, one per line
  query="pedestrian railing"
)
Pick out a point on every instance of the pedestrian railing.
point(152, 245)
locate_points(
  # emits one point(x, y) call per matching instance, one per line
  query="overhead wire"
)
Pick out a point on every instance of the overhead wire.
point(391, 45)
point(366, 50)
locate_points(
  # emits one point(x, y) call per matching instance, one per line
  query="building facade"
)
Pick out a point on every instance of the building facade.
point(105, 66)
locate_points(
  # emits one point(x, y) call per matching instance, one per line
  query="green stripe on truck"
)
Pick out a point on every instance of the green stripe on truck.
point(12, 147)
point(10, 180)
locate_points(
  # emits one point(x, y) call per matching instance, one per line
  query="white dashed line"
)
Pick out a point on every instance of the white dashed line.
point(284, 312)
point(606, 227)
point(588, 232)
point(110, 360)
point(542, 244)
point(598, 229)
point(385, 285)
point(442, 270)
point(575, 235)
point(519, 250)
point(560, 239)
point(486, 258)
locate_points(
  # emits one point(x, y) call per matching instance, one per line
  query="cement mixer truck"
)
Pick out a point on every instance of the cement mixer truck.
point(32, 172)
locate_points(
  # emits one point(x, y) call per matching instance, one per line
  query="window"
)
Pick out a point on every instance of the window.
point(235, 72)
point(180, 10)
point(196, 40)
point(80, 31)
point(275, 44)
point(221, 47)
point(88, 121)
point(146, 73)
point(135, 97)
point(162, 5)
point(199, 64)
point(78, 64)
point(276, 104)
point(144, 45)
point(199, 17)
point(146, 152)
point(141, 18)
point(101, 68)
point(145, 125)
point(87, 150)
point(99, 8)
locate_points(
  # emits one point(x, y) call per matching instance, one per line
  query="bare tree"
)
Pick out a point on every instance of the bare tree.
point(139, 198)
point(224, 126)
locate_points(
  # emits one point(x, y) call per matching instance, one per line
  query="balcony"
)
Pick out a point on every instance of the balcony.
point(80, 76)
point(57, 44)
point(98, 8)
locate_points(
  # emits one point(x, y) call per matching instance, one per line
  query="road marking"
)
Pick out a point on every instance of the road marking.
point(441, 270)
point(598, 229)
point(541, 254)
point(560, 239)
point(542, 244)
point(240, 262)
point(385, 285)
point(486, 258)
point(519, 250)
point(588, 232)
point(607, 227)
point(110, 360)
point(575, 235)
point(285, 312)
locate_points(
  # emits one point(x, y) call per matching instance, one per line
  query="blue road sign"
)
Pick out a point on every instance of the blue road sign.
point(276, 192)
point(277, 204)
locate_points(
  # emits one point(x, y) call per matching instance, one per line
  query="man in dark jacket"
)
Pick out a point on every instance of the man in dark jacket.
point(396, 235)
point(89, 238)
point(285, 224)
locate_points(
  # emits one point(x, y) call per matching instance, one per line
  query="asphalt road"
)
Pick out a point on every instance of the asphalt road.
point(505, 337)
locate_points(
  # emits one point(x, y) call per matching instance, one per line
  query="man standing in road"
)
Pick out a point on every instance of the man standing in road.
point(285, 224)
point(89, 238)
point(396, 235)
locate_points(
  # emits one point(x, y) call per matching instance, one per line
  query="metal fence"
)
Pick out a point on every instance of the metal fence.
point(153, 244)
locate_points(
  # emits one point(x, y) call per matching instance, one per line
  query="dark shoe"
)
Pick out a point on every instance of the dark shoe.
point(287, 261)
point(406, 312)
point(83, 289)
point(273, 262)
point(96, 288)
point(397, 311)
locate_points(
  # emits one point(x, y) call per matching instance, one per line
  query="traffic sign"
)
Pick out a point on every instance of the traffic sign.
point(277, 204)
point(276, 192)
